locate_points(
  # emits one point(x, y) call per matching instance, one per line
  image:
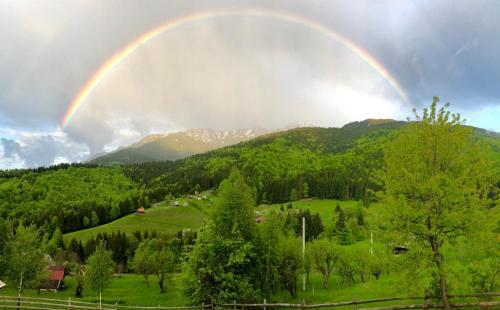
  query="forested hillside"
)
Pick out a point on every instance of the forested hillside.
point(320, 162)
point(69, 197)
point(326, 162)
point(334, 163)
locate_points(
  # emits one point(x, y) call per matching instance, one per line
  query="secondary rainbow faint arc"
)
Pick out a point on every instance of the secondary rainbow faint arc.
point(122, 54)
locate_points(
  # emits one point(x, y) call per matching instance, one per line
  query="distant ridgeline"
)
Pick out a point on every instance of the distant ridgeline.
point(176, 145)
point(306, 162)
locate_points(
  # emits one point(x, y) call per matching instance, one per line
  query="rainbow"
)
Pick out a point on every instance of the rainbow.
point(122, 54)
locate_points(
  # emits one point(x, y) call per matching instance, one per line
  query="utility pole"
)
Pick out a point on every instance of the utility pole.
point(304, 251)
point(371, 242)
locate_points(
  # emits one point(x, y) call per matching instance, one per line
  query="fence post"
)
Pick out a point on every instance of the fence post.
point(202, 306)
point(116, 305)
point(69, 303)
point(234, 303)
point(302, 304)
point(426, 299)
point(19, 301)
point(265, 302)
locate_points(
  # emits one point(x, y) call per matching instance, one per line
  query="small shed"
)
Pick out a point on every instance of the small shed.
point(56, 280)
point(260, 219)
point(397, 250)
point(2, 285)
point(140, 211)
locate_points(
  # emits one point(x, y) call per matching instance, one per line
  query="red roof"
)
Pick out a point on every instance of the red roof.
point(56, 273)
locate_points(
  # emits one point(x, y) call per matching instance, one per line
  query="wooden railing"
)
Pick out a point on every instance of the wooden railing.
point(21, 302)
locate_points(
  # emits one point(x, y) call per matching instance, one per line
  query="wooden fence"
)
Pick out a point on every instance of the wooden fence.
point(488, 301)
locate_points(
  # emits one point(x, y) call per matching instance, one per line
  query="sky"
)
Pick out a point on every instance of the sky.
point(234, 70)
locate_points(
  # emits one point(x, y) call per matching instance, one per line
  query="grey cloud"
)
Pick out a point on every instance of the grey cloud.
point(11, 148)
point(41, 150)
point(233, 72)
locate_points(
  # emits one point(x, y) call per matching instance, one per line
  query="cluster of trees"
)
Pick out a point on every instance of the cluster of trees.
point(123, 247)
point(234, 259)
point(68, 198)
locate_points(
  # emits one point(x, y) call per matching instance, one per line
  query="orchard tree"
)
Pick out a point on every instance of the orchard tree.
point(326, 255)
point(144, 260)
point(437, 182)
point(291, 263)
point(99, 270)
point(164, 262)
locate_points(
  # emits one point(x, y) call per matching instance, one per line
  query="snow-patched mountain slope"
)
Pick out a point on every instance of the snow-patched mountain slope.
point(177, 145)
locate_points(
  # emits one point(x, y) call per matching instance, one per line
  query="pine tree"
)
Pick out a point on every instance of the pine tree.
point(340, 225)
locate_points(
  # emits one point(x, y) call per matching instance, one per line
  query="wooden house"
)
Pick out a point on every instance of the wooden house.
point(56, 279)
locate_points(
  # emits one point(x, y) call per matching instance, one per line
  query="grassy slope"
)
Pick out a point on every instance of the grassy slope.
point(167, 219)
point(160, 218)
point(325, 208)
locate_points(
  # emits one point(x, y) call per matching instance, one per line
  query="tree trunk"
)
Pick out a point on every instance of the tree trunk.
point(438, 259)
point(444, 291)
point(325, 282)
point(160, 283)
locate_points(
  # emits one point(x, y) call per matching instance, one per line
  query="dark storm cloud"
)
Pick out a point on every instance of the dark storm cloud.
point(233, 72)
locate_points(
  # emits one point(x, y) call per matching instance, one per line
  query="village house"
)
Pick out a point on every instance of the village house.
point(56, 280)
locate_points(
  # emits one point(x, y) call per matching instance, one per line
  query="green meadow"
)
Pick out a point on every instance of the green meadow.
point(161, 218)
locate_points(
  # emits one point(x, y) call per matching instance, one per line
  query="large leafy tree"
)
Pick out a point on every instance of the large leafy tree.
point(99, 270)
point(221, 269)
point(235, 208)
point(223, 265)
point(25, 262)
point(437, 181)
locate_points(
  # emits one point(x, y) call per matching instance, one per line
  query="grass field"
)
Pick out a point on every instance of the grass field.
point(130, 289)
point(164, 218)
point(325, 208)
point(161, 218)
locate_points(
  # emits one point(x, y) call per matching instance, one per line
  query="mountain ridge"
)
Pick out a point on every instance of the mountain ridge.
point(176, 145)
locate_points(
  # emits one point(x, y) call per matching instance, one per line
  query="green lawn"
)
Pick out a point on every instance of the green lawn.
point(127, 289)
point(161, 218)
point(130, 289)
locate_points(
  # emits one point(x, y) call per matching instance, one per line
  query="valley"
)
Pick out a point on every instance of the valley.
point(257, 190)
